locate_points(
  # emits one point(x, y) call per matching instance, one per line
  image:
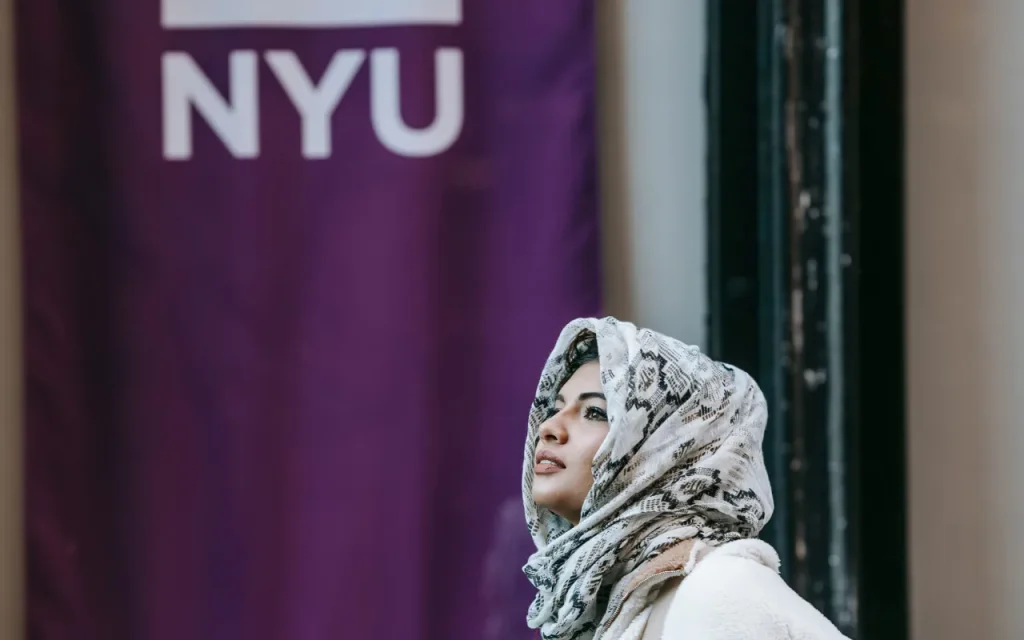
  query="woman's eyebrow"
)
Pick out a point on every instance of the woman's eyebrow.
point(587, 395)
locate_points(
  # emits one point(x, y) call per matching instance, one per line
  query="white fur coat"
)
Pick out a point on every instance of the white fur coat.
point(736, 593)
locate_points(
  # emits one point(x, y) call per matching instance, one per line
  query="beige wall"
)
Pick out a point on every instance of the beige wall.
point(11, 616)
point(965, 163)
point(652, 134)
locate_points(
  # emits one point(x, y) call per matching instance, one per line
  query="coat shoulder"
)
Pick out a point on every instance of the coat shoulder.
point(736, 593)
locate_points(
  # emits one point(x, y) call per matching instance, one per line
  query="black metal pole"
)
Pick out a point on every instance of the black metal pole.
point(874, 192)
point(801, 310)
point(806, 325)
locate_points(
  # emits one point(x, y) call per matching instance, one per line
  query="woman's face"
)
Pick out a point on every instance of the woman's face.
point(567, 443)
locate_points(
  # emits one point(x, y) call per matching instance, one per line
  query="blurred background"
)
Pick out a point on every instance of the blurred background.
point(278, 279)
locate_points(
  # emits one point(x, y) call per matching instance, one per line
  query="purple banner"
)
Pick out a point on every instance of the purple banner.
point(292, 269)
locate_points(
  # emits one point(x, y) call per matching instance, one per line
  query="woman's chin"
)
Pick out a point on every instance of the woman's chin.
point(555, 499)
point(548, 493)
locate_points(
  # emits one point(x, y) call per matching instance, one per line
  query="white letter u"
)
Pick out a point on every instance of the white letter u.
point(386, 104)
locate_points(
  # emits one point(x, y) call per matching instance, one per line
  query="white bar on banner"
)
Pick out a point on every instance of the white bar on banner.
point(225, 14)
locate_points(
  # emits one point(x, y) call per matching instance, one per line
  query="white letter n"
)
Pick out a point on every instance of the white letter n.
point(236, 122)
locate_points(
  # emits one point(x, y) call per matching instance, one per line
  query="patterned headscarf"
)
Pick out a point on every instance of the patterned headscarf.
point(682, 462)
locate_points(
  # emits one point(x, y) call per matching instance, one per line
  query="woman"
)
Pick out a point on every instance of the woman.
point(645, 486)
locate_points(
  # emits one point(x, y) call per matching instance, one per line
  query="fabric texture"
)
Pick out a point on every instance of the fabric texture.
point(736, 593)
point(682, 462)
point(636, 597)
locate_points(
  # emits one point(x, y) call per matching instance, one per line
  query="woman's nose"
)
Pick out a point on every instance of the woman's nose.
point(553, 430)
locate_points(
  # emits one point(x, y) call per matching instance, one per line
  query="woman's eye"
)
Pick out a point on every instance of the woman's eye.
point(595, 413)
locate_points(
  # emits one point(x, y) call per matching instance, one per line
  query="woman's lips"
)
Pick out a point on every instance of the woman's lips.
point(547, 463)
point(544, 468)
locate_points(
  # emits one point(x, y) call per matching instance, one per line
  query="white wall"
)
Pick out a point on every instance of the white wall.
point(651, 57)
point(965, 163)
point(11, 610)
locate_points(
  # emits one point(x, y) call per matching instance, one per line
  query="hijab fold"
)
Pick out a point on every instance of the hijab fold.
point(682, 463)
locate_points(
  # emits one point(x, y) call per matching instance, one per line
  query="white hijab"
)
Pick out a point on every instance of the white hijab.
point(682, 462)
